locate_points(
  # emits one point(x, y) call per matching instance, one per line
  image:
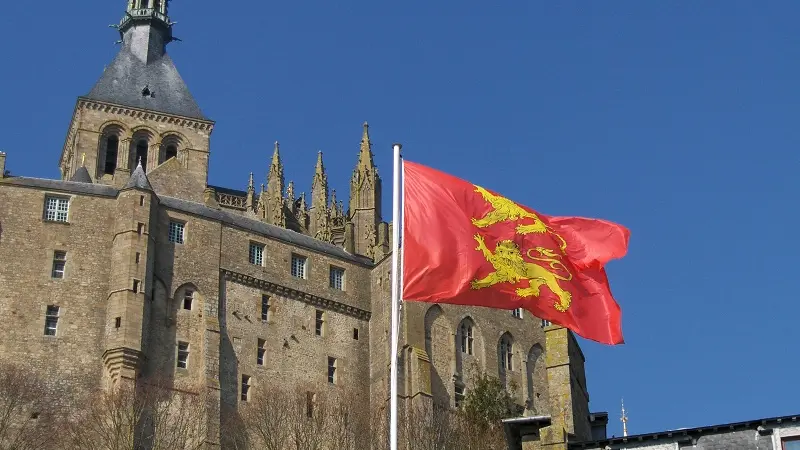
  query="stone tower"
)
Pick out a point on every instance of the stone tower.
point(365, 199)
point(130, 280)
point(140, 108)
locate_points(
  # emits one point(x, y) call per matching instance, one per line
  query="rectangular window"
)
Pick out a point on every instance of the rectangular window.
point(355, 333)
point(56, 209)
point(517, 313)
point(545, 323)
point(141, 200)
point(138, 257)
point(256, 254)
point(59, 263)
point(245, 388)
point(118, 322)
point(320, 323)
point(183, 355)
point(459, 397)
point(790, 443)
point(310, 404)
point(337, 278)
point(136, 286)
point(264, 308)
point(298, 266)
point(331, 370)
point(261, 352)
point(188, 296)
point(51, 320)
point(176, 232)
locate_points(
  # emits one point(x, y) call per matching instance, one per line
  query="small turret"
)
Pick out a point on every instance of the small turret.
point(251, 194)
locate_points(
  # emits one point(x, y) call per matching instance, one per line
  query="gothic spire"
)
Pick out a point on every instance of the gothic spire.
point(365, 153)
point(272, 200)
point(319, 213)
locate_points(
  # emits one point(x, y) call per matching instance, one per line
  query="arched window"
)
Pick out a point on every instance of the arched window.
point(144, 4)
point(171, 152)
point(533, 357)
point(141, 154)
point(467, 340)
point(112, 148)
point(506, 354)
point(157, 5)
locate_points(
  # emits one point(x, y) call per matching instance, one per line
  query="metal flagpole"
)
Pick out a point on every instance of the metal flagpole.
point(396, 294)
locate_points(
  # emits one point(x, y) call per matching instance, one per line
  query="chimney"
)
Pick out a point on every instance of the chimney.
point(598, 422)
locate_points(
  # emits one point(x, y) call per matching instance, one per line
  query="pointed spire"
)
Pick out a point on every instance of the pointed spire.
point(276, 154)
point(290, 194)
point(273, 197)
point(251, 190)
point(365, 153)
point(320, 169)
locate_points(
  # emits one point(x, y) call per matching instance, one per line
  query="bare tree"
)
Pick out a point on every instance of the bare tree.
point(144, 415)
point(25, 417)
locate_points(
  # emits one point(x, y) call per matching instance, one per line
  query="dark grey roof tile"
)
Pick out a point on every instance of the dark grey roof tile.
point(81, 176)
point(123, 81)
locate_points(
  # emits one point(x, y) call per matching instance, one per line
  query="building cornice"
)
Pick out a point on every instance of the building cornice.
point(138, 113)
point(294, 294)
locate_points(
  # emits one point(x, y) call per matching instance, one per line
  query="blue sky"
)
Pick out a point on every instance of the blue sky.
point(676, 119)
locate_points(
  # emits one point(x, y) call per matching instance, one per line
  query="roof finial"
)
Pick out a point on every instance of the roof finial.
point(624, 420)
point(83, 159)
point(251, 184)
point(140, 161)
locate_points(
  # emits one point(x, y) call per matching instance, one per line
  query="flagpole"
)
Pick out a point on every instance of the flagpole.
point(396, 294)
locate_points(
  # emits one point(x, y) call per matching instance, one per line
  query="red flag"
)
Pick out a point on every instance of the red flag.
point(463, 244)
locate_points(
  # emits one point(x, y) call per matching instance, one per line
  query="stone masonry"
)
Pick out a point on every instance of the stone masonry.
point(132, 261)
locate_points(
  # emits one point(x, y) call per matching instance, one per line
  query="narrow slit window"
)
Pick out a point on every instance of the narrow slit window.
point(319, 326)
point(332, 370)
point(355, 334)
point(264, 308)
point(136, 286)
point(51, 320)
point(245, 388)
point(261, 351)
point(118, 322)
point(183, 355)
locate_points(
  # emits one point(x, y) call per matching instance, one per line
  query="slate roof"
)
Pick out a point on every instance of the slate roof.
point(138, 179)
point(123, 81)
point(231, 219)
point(265, 229)
point(81, 175)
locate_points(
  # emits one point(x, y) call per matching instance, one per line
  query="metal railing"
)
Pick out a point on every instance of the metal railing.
point(144, 13)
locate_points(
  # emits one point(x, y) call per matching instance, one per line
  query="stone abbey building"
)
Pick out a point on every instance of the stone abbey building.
point(133, 265)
